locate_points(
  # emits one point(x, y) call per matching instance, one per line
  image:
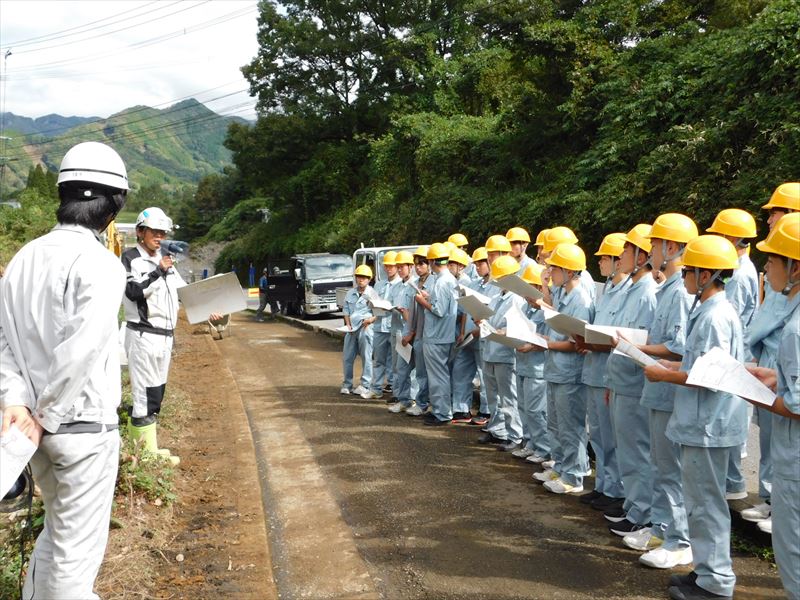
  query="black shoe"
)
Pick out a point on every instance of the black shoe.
point(591, 496)
point(605, 503)
point(682, 579)
point(693, 591)
point(488, 438)
point(508, 446)
point(429, 419)
point(615, 514)
point(625, 527)
point(387, 389)
point(462, 417)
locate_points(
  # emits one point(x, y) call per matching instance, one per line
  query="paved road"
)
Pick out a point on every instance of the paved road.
point(366, 504)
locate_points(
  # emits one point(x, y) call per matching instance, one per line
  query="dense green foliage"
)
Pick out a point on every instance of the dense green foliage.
point(403, 122)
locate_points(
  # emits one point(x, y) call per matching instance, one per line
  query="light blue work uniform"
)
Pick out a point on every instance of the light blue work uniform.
point(532, 390)
point(668, 513)
point(357, 342)
point(404, 298)
point(588, 284)
point(709, 425)
point(523, 264)
point(786, 457)
point(471, 272)
point(632, 420)
point(566, 395)
point(741, 290)
point(420, 374)
point(601, 432)
point(382, 339)
point(499, 373)
point(761, 341)
point(439, 336)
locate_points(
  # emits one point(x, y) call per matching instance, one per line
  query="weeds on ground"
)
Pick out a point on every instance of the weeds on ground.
point(745, 545)
point(12, 531)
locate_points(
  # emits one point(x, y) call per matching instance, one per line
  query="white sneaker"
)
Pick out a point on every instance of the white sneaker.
point(644, 539)
point(522, 453)
point(661, 558)
point(414, 411)
point(546, 475)
point(370, 395)
point(760, 512)
point(536, 459)
point(765, 525)
point(558, 486)
point(345, 391)
point(548, 464)
point(360, 390)
point(397, 407)
point(735, 495)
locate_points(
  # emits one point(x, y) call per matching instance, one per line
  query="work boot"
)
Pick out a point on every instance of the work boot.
point(146, 436)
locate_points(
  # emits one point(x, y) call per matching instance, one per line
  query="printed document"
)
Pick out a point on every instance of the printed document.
point(221, 294)
point(403, 352)
point(465, 291)
point(515, 284)
point(718, 370)
point(564, 324)
point(16, 449)
point(476, 309)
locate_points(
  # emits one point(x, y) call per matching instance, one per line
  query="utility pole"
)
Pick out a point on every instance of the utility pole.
point(3, 137)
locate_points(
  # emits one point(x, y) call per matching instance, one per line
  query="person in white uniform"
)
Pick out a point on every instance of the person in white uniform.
point(60, 374)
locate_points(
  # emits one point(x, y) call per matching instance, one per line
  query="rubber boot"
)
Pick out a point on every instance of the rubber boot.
point(146, 435)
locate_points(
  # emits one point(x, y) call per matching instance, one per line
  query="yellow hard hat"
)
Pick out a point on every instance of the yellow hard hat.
point(638, 236)
point(533, 274)
point(459, 256)
point(505, 265)
point(673, 227)
point(389, 258)
point(784, 239)
point(404, 257)
point(734, 222)
point(786, 195)
point(422, 251)
point(438, 251)
point(612, 245)
point(480, 254)
point(540, 237)
point(459, 239)
point(450, 245)
point(363, 271)
point(518, 234)
point(558, 235)
point(498, 243)
point(710, 252)
point(567, 256)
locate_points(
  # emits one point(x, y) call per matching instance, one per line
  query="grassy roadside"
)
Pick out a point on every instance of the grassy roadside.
point(140, 520)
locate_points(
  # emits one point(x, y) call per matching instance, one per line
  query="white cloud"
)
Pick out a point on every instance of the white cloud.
point(83, 72)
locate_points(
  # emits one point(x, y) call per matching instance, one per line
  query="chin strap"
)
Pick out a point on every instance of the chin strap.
point(667, 257)
point(702, 288)
point(790, 283)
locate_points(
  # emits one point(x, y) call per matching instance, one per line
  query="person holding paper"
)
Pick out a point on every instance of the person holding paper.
point(762, 337)
point(783, 268)
point(423, 283)
point(499, 374)
point(358, 340)
point(708, 425)
point(382, 334)
point(60, 374)
point(457, 262)
point(482, 285)
point(739, 227)
point(519, 239)
point(608, 491)
point(552, 238)
point(531, 385)
point(460, 241)
point(566, 410)
point(401, 326)
point(667, 540)
point(439, 334)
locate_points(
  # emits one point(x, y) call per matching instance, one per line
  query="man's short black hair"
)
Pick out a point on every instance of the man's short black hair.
point(90, 205)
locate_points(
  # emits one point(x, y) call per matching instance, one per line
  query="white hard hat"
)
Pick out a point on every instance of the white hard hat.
point(93, 162)
point(154, 218)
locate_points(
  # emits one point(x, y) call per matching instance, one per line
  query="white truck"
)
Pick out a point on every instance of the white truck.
point(374, 258)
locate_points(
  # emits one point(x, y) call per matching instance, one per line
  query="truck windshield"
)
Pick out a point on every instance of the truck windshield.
point(329, 267)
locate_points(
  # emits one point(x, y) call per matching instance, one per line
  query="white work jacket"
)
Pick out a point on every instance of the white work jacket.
point(151, 297)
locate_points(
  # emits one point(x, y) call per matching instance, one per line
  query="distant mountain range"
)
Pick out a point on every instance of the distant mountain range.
point(170, 146)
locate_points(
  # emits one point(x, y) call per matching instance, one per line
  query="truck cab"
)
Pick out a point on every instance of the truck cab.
point(373, 257)
point(306, 284)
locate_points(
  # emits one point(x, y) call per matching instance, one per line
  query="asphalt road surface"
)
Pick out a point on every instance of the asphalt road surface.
point(362, 503)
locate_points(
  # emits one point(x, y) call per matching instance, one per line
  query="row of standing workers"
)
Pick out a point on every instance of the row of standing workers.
point(667, 454)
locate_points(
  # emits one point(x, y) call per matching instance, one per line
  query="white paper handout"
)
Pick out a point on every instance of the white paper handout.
point(486, 329)
point(403, 352)
point(515, 284)
point(465, 291)
point(379, 306)
point(603, 334)
point(520, 327)
point(15, 452)
point(346, 329)
point(221, 294)
point(564, 324)
point(718, 370)
point(639, 357)
point(476, 309)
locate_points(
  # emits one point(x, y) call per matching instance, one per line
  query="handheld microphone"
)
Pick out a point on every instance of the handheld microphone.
point(175, 247)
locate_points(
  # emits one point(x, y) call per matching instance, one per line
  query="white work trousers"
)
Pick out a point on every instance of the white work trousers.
point(149, 355)
point(76, 473)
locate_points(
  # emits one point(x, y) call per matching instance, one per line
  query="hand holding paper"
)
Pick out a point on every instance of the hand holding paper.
point(718, 370)
point(15, 452)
